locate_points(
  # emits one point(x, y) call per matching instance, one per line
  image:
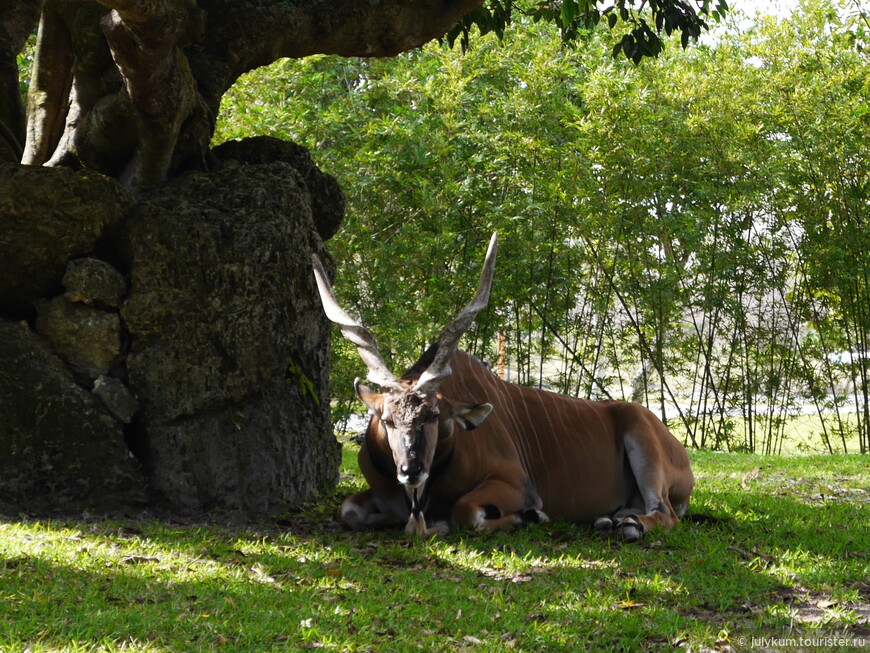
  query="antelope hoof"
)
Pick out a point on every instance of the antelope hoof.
point(416, 525)
point(353, 516)
point(534, 517)
point(603, 525)
point(438, 528)
point(630, 528)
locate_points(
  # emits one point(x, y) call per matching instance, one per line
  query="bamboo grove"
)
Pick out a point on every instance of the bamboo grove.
point(691, 233)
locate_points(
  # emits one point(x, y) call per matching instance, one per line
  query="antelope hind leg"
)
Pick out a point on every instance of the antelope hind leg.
point(658, 483)
point(497, 505)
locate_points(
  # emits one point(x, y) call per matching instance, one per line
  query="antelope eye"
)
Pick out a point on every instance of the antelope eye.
point(388, 423)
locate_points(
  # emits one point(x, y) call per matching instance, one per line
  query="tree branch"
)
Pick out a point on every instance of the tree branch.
point(149, 110)
point(244, 36)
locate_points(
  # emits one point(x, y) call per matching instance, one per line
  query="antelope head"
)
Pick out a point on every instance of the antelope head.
point(410, 413)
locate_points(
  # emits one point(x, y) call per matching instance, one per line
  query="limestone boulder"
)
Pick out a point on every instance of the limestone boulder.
point(59, 448)
point(170, 349)
point(93, 282)
point(49, 216)
point(87, 338)
point(224, 323)
point(327, 198)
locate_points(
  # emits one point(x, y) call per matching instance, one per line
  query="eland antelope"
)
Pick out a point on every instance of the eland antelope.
point(451, 443)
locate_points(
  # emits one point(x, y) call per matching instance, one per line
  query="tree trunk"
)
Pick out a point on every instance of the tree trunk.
point(17, 19)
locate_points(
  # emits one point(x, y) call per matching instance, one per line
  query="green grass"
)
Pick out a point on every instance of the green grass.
point(792, 559)
point(800, 434)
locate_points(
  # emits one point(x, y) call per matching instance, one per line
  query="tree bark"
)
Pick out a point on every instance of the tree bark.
point(145, 38)
point(148, 75)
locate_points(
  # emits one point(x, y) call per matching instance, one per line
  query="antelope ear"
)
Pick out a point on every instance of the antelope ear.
point(373, 400)
point(470, 416)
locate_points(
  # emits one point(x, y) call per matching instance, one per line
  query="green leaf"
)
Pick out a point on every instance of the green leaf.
point(569, 12)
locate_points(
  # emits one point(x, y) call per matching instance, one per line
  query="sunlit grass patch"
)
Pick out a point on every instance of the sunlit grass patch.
point(790, 553)
point(788, 434)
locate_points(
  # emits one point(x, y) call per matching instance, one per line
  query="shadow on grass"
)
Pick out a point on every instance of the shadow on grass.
point(58, 607)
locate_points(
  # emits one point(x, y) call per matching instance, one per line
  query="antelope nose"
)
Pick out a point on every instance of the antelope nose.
point(409, 473)
point(409, 469)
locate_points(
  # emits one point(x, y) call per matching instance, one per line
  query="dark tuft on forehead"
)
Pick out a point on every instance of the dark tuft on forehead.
point(412, 406)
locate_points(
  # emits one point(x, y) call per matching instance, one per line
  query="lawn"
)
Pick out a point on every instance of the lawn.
point(792, 560)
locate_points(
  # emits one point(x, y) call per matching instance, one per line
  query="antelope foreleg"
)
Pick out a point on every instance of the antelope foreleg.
point(417, 526)
point(364, 510)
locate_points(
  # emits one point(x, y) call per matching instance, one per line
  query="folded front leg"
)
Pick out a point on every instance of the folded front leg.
point(365, 510)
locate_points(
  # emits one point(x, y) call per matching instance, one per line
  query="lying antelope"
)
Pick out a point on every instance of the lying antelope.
point(534, 455)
